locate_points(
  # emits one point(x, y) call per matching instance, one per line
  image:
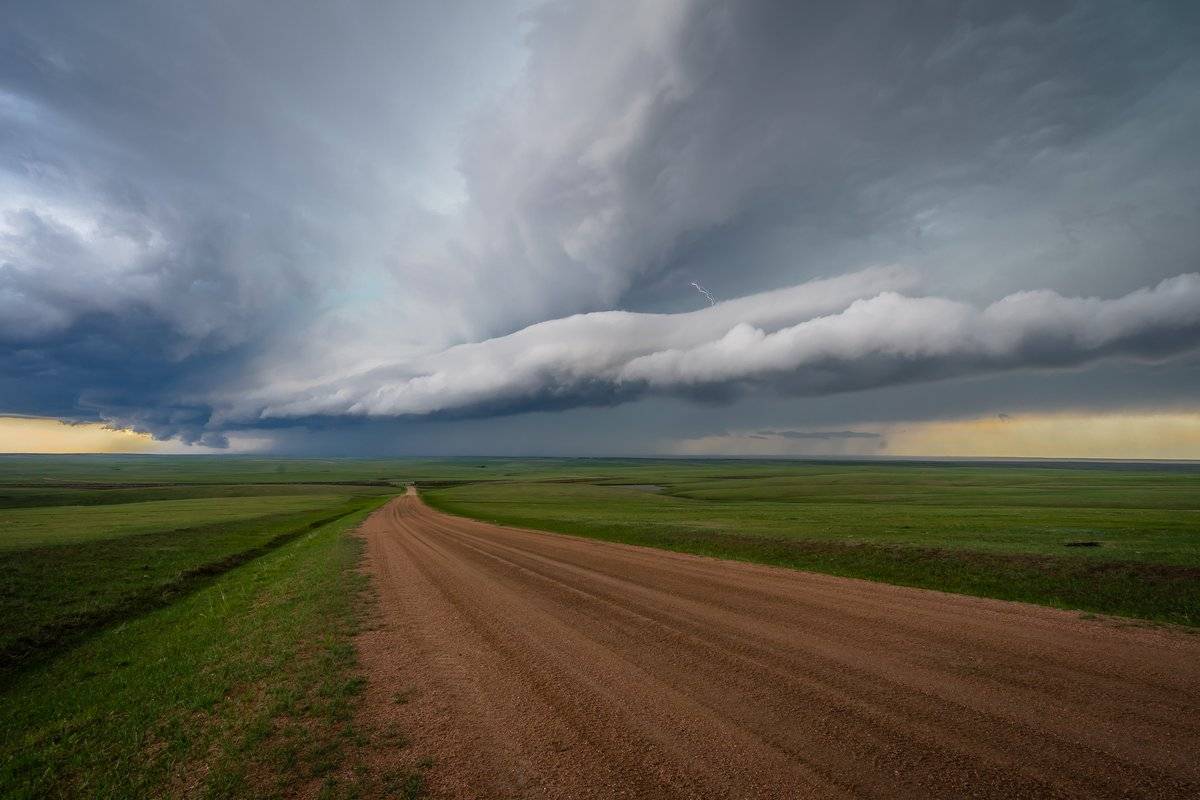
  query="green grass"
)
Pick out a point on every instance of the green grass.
point(105, 471)
point(990, 531)
point(83, 472)
point(36, 496)
point(55, 525)
point(243, 688)
point(993, 512)
point(182, 626)
point(52, 596)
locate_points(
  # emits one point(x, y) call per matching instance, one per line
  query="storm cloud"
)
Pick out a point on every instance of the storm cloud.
point(820, 435)
point(255, 216)
point(821, 337)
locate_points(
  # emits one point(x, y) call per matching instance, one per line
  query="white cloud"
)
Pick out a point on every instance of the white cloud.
point(852, 332)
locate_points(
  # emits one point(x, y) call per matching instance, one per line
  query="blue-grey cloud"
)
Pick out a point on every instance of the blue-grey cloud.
point(819, 435)
point(826, 336)
point(211, 219)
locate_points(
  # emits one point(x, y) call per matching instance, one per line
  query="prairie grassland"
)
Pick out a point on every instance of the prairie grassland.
point(24, 528)
point(184, 626)
point(50, 597)
point(1105, 540)
point(179, 637)
point(243, 688)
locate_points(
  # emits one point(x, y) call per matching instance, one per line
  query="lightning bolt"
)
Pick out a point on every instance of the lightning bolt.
point(707, 294)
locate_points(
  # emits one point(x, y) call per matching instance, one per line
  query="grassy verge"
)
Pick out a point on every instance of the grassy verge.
point(989, 535)
point(244, 688)
point(50, 597)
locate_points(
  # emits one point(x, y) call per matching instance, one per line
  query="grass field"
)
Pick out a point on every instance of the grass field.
point(51, 596)
point(23, 496)
point(183, 627)
point(181, 636)
point(21, 529)
point(40, 473)
point(1106, 540)
point(245, 688)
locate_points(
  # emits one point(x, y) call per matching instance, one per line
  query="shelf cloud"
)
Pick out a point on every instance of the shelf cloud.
point(848, 333)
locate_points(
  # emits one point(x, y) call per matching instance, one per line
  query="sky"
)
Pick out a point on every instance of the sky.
point(680, 227)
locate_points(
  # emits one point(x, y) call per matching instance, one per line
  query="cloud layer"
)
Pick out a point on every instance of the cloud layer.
point(233, 216)
point(848, 333)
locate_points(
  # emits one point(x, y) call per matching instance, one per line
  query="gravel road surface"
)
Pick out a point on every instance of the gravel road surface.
point(537, 665)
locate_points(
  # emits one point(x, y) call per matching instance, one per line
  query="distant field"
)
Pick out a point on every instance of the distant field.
point(26, 496)
point(1134, 517)
point(39, 527)
point(1097, 539)
point(85, 472)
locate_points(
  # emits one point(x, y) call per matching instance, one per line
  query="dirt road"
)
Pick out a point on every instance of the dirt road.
point(537, 665)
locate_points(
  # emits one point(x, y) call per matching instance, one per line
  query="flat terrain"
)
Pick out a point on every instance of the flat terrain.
point(66, 571)
point(186, 627)
point(1105, 538)
point(25, 528)
point(538, 665)
point(180, 639)
point(243, 687)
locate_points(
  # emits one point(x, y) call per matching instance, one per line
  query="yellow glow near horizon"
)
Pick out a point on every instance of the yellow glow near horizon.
point(1169, 435)
point(1118, 435)
point(1121, 435)
point(42, 435)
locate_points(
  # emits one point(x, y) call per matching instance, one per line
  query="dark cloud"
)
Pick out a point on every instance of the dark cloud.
point(221, 217)
point(819, 435)
point(759, 143)
point(187, 194)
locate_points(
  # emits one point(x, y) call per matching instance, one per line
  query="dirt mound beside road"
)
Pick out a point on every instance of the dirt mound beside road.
point(544, 666)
